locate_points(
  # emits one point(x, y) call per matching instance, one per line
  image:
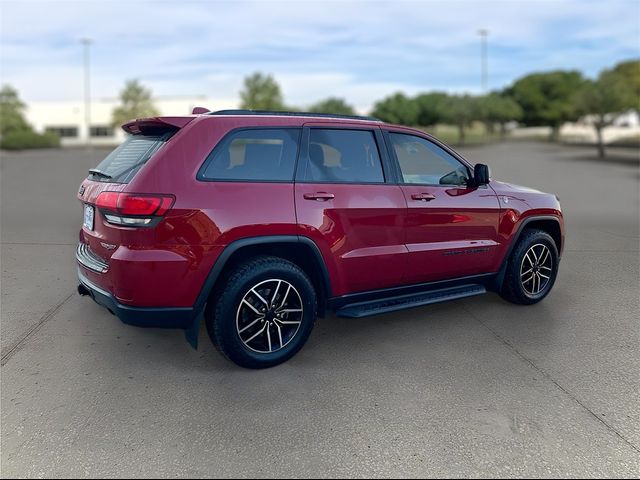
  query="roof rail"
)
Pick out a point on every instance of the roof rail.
point(293, 114)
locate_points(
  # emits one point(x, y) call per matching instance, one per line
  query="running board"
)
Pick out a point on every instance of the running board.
point(401, 302)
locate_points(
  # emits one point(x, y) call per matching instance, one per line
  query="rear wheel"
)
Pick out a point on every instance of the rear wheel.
point(532, 268)
point(264, 314)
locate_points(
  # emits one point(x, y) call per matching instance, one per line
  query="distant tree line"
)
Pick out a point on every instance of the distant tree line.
point(262, 92)
point(538, 99)
point(16, 133)
point(429, 109)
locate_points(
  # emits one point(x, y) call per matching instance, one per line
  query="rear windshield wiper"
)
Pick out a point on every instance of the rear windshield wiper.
point(100, 173)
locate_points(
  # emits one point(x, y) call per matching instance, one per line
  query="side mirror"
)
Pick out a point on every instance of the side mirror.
point(481, 174)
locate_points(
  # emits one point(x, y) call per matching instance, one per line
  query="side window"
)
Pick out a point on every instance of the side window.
point(254, 155)
point(343, 156)
point(426, 163)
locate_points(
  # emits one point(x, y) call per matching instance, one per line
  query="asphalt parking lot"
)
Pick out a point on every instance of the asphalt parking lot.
point(477, 387)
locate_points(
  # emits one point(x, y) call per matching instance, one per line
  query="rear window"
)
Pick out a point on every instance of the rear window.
point(122, 164)
point(254, 155)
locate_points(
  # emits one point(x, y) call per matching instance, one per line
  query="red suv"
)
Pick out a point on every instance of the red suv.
point(266, 220)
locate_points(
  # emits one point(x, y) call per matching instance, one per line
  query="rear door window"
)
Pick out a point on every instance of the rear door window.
point(122, 164)
point(343, 156)
point(254, 155)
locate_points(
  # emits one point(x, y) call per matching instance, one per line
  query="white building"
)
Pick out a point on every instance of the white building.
point(67, 118)
point(630, 119)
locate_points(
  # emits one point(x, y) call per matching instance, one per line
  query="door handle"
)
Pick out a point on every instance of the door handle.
point(427, 197)
point(320, 196)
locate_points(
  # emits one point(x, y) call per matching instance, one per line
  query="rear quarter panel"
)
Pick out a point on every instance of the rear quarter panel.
point(206, 216)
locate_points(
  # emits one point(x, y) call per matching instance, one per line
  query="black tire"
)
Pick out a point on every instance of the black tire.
point(514, 287)
point(228, 315)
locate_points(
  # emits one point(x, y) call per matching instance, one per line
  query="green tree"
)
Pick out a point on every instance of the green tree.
point(15, 131)
point(261, 92)
point(604, 99)
point(498, 109)
point(547, 98)
point(11, 112)
point(136, 102)
point(333, 105)
point(630, 72)
point(430, 108)
point(461, 111)
point(397, 108)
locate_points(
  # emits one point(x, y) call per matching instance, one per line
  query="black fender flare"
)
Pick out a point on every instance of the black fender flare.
point(516, 237)
point(192, 331)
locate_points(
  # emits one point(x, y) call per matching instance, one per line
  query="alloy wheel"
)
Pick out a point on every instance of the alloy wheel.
point(269, 316)
point(536, 269)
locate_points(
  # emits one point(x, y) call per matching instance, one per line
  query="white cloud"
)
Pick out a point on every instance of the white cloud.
point(357, 50)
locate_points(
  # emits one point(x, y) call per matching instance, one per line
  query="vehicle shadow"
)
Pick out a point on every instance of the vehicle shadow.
point(463, 327)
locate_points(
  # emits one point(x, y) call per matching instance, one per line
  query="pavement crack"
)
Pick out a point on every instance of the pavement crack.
point(13, 349)
point(546, 375)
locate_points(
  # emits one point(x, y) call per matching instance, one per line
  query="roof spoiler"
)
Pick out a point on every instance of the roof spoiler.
point(199, 110)
point(155, 124)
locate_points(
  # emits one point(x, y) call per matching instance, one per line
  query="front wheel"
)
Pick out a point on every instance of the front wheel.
point(264, 314)
point(532, 268)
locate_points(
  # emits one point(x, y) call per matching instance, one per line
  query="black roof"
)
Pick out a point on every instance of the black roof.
point(293, 114)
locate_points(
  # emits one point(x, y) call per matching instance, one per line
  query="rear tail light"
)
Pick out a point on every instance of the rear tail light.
point(133, 209)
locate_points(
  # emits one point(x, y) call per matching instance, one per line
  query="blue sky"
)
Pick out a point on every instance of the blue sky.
point(359, 50)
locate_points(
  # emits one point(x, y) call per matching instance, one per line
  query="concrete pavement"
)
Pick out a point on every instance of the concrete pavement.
point(477, 387)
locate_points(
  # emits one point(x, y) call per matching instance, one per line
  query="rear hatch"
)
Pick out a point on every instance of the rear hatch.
point(111, 216)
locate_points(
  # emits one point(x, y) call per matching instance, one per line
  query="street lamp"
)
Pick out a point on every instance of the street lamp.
point(86, 42)
point(484, 33)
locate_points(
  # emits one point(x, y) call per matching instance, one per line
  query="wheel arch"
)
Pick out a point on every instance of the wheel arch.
point(299, 250)
point(550, 225)
point(547, 223)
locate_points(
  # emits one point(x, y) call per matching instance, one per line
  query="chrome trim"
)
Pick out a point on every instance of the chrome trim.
point(89, 284)
point(90, 260)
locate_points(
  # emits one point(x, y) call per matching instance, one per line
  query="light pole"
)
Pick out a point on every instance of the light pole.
point(86, 42)
point(484, 33)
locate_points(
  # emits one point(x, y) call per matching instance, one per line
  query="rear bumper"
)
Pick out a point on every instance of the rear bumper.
point(156, 276)
point(86, 258)
point(153, 317)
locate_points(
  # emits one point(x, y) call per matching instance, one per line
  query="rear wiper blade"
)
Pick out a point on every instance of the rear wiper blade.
point(99, 173)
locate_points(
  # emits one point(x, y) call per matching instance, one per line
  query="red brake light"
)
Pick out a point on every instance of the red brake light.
point(108, 201)
point(135, 204)
point(138, 205)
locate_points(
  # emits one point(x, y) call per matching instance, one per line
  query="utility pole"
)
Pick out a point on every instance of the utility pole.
point(86, 42)
point(484, 33)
